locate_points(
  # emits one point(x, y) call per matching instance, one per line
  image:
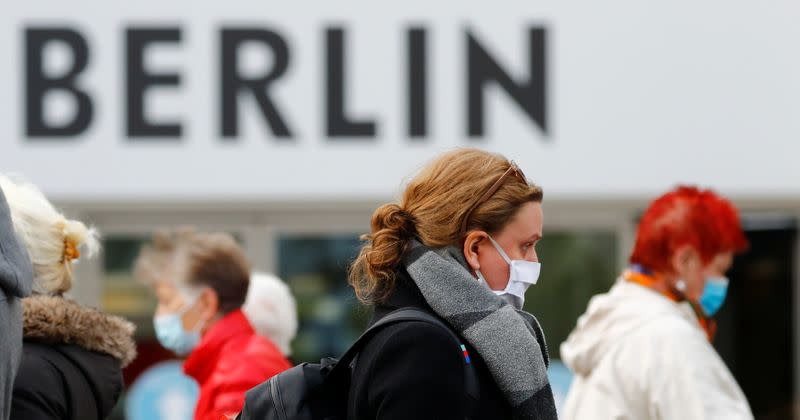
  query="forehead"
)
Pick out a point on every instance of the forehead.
point(527, 222)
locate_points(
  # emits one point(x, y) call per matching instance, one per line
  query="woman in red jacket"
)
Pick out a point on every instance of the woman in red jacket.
point(201, 282)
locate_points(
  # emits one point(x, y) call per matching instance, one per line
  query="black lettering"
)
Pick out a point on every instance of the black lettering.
point(417, 83)
point(339, 125)
point(138, 80)
point(529, 94)
point(37, 84)
point(233, 83)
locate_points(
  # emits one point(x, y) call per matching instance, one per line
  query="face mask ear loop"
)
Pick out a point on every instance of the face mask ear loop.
point(198, 326)
point(500, 250)
point(191, 300)
point(482, 281)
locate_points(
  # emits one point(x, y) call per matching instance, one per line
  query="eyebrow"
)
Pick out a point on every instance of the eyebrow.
point(534, 237)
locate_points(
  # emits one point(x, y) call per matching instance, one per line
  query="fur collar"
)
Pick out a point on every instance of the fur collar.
point(59, 320)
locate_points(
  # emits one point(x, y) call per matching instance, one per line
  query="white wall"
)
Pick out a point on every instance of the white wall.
point(640, 96)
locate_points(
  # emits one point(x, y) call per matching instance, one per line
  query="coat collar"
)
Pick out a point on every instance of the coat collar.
point(58, 320)
point(405, 294)
point(203, 360)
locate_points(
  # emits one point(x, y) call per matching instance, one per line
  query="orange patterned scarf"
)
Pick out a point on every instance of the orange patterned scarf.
point(646, 278)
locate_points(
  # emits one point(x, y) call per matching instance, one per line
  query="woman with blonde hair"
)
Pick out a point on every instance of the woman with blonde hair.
point(72, 355)
point(459, 245)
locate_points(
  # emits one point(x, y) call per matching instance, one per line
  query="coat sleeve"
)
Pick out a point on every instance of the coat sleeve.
point(417, 374)
point(238, 373)
point(16, 271)
point(692, 382)
point(39, 392)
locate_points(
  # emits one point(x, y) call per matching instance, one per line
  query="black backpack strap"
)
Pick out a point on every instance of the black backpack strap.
point(471, 383)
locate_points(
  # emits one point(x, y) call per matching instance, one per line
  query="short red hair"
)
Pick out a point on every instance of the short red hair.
point(690, 216)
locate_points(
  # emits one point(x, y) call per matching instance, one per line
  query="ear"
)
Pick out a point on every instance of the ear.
point(471, 243)
point(210, 304)
point(682, 259)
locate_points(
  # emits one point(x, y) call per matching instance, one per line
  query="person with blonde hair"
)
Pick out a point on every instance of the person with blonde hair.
point(272, 310)
point(460, 245)
point(72, 355)
point(16, 278)
point(201, 282)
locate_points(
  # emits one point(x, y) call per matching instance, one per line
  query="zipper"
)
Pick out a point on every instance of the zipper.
point(276, 399)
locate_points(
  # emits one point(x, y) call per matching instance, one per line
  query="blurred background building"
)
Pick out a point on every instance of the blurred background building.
point(287, 124)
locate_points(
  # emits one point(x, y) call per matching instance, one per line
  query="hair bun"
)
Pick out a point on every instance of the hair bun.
point(373, 274)
point(392, 217)
point(79, 235)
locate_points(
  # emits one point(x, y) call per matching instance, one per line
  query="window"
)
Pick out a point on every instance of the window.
point(122, 294)
point(330, 317)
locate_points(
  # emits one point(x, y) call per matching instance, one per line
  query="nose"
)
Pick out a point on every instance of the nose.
point(532, 256)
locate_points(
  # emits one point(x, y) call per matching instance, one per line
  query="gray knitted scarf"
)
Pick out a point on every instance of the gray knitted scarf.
point(509, 341)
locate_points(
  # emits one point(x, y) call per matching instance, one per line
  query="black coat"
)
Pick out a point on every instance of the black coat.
point(410, 371)
point(81, 380)
point(65, 382)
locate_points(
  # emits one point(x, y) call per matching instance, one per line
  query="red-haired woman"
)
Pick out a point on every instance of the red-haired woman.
point(642, 350)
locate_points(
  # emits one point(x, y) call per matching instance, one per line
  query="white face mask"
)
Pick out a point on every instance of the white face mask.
point(522, 274)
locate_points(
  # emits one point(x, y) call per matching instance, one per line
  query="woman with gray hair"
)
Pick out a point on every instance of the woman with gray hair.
point(272, 310)
point(72, 355)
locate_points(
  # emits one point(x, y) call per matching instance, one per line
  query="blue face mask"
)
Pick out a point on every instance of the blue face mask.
point(172, 335)
point(713, 295)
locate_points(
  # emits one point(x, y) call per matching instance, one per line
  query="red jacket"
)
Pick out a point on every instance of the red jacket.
point(230, 359)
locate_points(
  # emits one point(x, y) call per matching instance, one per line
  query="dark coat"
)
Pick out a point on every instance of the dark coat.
point(72, 361)
point(16, 281)
point(410, 370)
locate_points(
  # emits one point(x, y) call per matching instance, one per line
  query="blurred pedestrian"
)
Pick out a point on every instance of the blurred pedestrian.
point(643, 350)
point(201, 281)
point(16, 278)
point(272, 310)
point(460, 245)
point(73, 355)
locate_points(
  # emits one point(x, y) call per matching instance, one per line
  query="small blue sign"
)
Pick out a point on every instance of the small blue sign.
point(162, 392)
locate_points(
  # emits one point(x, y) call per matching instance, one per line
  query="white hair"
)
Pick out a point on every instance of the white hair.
point(46, 234)
point(272, 310)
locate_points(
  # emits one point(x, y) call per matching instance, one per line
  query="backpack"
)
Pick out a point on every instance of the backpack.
point(319, 391)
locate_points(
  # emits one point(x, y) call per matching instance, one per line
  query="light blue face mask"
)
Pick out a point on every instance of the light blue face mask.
point(714, 293)
point(172, 335)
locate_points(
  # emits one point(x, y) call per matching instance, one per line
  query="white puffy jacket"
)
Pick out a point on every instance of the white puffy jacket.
point(638, 355)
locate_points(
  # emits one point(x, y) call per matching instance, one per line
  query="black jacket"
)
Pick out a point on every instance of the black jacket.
point(81, 380)
point(411, 371)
